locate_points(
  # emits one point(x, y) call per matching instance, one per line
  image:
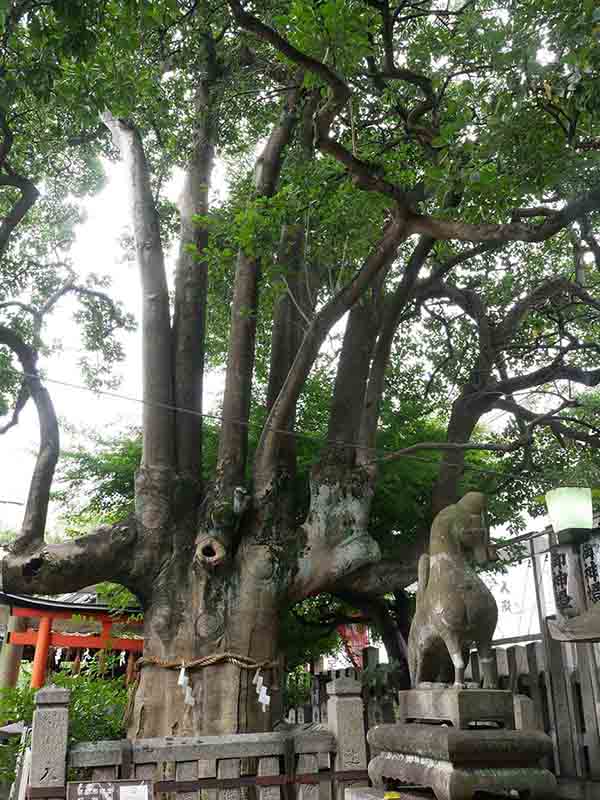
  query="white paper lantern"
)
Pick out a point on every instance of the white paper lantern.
point(570, 507)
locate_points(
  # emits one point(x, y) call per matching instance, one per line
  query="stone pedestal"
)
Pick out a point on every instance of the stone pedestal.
point(460, 707)
point(457, 763)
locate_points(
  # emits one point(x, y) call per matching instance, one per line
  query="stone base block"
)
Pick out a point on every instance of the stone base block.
point(456, 782)
point(461, 707)
point(456, 763)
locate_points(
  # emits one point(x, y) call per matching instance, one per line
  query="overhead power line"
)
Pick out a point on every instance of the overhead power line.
point(313, 437)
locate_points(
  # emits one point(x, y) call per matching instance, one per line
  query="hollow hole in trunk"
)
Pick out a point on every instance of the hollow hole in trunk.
point(208, 551)
point(32, 567)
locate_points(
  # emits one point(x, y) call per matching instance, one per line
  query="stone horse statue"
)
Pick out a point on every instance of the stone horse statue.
point(454, 607)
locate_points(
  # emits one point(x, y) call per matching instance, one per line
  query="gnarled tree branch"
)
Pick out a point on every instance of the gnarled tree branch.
point(551, 420)
point(511, 231)
point(384, 576)
point(506, 330)
point(28, 195)
point(365, 175)
point(20, 404)
point(36, 509)
point(107, 554)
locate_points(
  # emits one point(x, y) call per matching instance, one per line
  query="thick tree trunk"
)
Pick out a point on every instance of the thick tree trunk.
point(233, 440)
point(445, 488)
point(157, 356)
point(191, 286)
point(214, 617)
point(196, 614)
point(195, 611)
point(350, 384)
point(291, 316)
point(465, 415)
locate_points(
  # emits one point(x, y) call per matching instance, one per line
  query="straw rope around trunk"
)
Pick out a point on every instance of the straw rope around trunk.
point(243, 662)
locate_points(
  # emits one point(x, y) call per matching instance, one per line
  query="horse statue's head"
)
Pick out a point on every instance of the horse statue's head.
point(463, 527)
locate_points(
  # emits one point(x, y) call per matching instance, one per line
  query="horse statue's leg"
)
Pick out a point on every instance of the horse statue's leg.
point(455, 651)
point(486, 662)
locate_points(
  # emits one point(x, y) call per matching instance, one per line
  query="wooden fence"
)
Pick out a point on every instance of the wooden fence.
point(563, 682)
point(306, 762)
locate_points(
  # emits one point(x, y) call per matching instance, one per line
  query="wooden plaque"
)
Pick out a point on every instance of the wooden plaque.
point(110, 790)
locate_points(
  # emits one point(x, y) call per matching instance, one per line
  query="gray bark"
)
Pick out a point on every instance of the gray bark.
point(157, 358)
point(36, 508)
point(233, 441)
point(29, 195)
point(378, 260)
point(191, 284)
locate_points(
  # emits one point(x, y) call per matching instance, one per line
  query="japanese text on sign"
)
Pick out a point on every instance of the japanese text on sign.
point(560, 580)
point(590, 557)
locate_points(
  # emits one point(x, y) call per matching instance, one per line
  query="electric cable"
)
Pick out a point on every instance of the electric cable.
point(247, 423)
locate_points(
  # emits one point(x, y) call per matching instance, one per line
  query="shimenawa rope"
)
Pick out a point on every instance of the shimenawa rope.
point(244, 662)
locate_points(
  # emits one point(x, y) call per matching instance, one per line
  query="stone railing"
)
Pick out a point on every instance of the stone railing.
point(312, 762)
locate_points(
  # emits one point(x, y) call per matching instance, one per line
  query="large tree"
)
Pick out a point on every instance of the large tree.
point(405, 150)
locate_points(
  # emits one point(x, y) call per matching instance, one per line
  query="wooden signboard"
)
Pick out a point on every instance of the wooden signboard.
point(110, 790)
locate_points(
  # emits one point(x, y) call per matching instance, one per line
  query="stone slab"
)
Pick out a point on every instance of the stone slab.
point(344, 686)
point(49, 746)
point(457, 782)
point(461, 707)
point(248, 745)
point(473, 747)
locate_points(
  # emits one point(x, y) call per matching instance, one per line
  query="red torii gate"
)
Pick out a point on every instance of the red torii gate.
point(44, 637)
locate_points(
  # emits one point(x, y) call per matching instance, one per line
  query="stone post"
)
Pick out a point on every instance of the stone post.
point(345, 719)
point(49, 740)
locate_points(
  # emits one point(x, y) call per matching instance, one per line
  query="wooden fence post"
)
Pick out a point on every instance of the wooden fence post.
point(345, 719)
point(49, 740)
point(568, 757)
